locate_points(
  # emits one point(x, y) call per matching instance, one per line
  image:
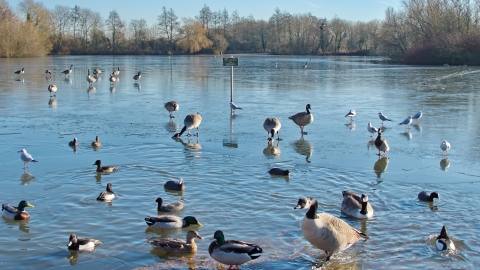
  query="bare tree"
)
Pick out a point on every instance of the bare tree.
point(138, 28)
point(205, 17)
point(75, 14)
point(117, 29)
point(168, 22)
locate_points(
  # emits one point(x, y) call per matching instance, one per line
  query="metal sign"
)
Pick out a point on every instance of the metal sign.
point(230, 62)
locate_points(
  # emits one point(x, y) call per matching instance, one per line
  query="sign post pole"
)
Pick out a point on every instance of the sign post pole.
point(231, 84)
point(230, 62)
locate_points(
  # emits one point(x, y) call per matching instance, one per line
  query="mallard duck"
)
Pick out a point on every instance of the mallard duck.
point(232, 252)
point(177, 246)
point(137, 77)
point(82, 243)
point(272, 125)
point(174, 185)
point(424, 196)
point(116, 72)
point(172, 106)
point(96, 143)
point(417, 116)
point(444, 242)
point(18, 72)
point(73, 143)
point(351, 114)
point(325, 231)
point(303, 119)
point(191, 121)
point(52, 88)
point(381, 144)
point(16, 213)
point(107, 195)
point(171, 222)
point(101, 168)
point(68, 71)
point(383, 117)
point(279, 171)
point(90, 79)
point(171, 207)
point(26, 158)
point(356, 206)
point(445, 146)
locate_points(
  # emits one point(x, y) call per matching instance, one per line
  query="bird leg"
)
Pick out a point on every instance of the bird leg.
point(197, 132)
point(229, 267)
point(278, 138)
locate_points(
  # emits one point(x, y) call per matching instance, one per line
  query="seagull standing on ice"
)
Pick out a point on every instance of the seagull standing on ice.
point(26, 158)
point(407, 122)
point(445, 147)
point(418, 116)
point(351, 114)
point(383, 117)
point(233, 106)
point(372, 129)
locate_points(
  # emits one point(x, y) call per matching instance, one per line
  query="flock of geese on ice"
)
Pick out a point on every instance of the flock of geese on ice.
point(324, 231)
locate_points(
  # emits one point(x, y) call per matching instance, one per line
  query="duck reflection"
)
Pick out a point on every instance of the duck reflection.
point(27, 178)
point(68, 80)
point(52, 102)
point(22, 224)
point(272, 150)
point(304, 148)
point(73, 257)
point(74, 147)
point(138, 86)
point(444, 164)
point(112, 89)
point(407, 134)
point(98, 176)
point(171, 126)
point(351, 125)
point(417, 126)
point(381, 166)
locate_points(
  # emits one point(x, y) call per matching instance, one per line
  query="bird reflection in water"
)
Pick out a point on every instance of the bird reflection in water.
point(272, 150)
point(98, 176)
point(68, 80)
point(444, 164)
point(304, 148)
point(138, 86)
point(52, 102)
point(22, 224)
point(171, 126)
point(189, 145)
point(351, 125)
point(381, 166)
point(371, 144)
point(91, 89)
point(407, 134)
point(231, 142)
point(73, 257)
point(22, 80)
point(417, 126)
point(27, 178)
point(112, 89)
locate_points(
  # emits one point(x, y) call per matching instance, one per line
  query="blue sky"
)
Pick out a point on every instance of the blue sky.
point(353, 10)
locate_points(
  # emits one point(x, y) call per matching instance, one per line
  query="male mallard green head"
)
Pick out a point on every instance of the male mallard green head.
point(189, 220)
point(218, 235)
point(23, 204)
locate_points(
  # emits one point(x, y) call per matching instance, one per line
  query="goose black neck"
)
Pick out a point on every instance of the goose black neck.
point(183, 130)
point(364, 208)
point(308, 111)
point(312, 212)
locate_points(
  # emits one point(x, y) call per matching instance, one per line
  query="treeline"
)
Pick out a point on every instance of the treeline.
point(420, 32)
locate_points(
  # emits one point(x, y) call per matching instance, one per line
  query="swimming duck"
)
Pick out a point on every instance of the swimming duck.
point(26, 158)
point(177, 246)
point(383, 117)
point(171, 222)
point(172, 106)
point(18, 72)
point(101, 168)
point(68, 71)
point(351, 114)
point(444, 242)
point(272, 125)
point(116, 72)
point(424, 196)
point(52, 88)
point(303, 119)
point(279, 171)
point(381, 144)
point(16, 213)
point(171, 207)
point(232, 252)
point(107, 195)
point(191, 121)
point(327, 232)
point(445, 146)
point(82, 243)
point(174, 185)
point(96, 143)
point(137, 77)
point(356, 206)
point(73, 143)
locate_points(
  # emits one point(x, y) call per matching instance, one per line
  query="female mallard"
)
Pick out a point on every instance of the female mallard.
point(356, 206)
point(107, 195)
point(303, 119)
point(325, 231)
point(101, 168)
point(171, 207)
point(174, 185)
point(96, 143)
point(177, 246)
point(172, 106)
point(16, 213)
point(272, 125)
point(82, 243)
point(191, 121)
point(171, 222)
point(444, 242)
point(232, 252)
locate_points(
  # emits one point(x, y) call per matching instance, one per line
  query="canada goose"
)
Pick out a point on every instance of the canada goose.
point(97, 142)
point(234, 106)
point(425, 196)
point(137, 77)
point(101, 168)
point(16, 213)
point(18, 72)
point(82, 243)
point(191, 121)
point(383, 117)
point(52, 88)
point(107, 195)
point(444, 242)
point(272, 125)
point(97, 71)
point(112, 79)
point(73, 143)
point(303, 119)
point(48, 72)
point(356, 206)
point(371, 129)
point(407, 122)
point(26, 158)
point(90, 79)
point(171, 207)
point(381, 144)
point(232, 252)
point(174, 185)
point(171, 222)
point(177, 246)
point(279, 171)
point(445, 146)
point(116, 72)
point(305, 66)
point(172, 106)
point(68, 71)
point(417, 116)
point(327, 232)
point(351, 114)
